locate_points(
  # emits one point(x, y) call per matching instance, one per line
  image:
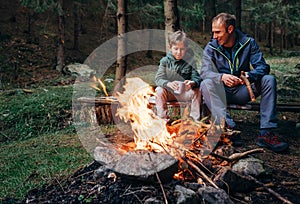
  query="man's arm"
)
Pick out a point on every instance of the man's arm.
point(208, 68)
point(258, 62)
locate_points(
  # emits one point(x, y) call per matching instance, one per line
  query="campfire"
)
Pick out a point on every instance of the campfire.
point(185, 150)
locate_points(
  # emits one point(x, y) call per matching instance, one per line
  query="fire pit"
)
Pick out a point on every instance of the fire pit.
point(153, 150)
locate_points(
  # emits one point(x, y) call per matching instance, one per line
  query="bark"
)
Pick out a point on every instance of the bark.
point(171, 18)
point(121, 52)
point(238, 13)
point(76, 26)
point(210, 12)
point(271, 36)
point(61, 41)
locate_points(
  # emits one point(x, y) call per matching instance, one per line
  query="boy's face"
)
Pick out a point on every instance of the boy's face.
point(178, 50)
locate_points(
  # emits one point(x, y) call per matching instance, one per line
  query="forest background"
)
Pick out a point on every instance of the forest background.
point(39, 38)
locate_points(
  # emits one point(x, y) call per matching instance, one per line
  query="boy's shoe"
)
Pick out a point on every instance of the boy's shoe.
point(270, 141)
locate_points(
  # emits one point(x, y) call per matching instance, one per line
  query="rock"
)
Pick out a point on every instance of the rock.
point(102, 171)
point(153, 201)
point(250, 166)
point(236, 182)
point(78, 69)
point(212, 195)
point(185, 195)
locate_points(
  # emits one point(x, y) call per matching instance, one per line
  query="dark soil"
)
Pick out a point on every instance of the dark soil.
point(85, 186)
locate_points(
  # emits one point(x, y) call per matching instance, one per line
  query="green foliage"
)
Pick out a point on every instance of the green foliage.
point(25, 115)
point(38, 6)
point(43, 5)
point(191, 14)
point(32, 163)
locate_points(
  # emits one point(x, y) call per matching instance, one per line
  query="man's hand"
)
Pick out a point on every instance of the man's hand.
point(231, 80)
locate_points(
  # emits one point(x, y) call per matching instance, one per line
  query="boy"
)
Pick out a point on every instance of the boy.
point(177, 68)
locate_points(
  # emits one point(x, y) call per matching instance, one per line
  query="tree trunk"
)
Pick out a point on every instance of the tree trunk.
point(61, 42)
point(281, 39)
point(238, 13)
point(76, 26)
point(121, 52)
point(271, 36)
point(171, 18)
point(210, 12)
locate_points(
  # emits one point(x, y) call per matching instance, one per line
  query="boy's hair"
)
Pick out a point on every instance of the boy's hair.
point(178, 36)
point(225, 18)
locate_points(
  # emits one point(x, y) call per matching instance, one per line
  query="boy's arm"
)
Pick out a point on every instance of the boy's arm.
point(195, 76)
point(161, 76)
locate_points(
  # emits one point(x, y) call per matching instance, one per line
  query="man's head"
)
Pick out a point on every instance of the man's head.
point(223, 26)
point(178, 44)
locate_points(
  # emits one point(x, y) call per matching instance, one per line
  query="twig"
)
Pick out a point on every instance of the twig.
point(159, 181)
point(237, 156)
point(60, 185)
point(195, 167)
point(277, 195)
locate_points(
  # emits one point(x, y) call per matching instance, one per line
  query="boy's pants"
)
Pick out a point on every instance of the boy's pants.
point(163, 96)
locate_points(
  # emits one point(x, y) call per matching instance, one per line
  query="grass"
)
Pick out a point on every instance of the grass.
point(25, 115)
point(38, 140)
point(34, 162)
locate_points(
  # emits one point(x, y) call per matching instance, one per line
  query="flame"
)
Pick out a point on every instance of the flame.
point(148, 128)
point(94, 78)
point(103, 87)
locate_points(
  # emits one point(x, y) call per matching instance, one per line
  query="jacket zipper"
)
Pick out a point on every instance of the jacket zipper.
point(231, 65)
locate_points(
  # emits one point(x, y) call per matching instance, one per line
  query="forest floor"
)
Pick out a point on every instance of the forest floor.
point(284, 177)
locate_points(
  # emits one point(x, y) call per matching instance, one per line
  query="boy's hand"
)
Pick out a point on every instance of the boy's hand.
point(173, 85)
point(189, 84)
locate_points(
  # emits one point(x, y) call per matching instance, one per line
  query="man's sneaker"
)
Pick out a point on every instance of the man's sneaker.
point(270, 141)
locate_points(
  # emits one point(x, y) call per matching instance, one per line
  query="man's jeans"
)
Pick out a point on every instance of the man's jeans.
point(217, 96)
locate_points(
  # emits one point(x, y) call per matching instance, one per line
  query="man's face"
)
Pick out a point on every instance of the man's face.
point(178, 50)
point(220, 33)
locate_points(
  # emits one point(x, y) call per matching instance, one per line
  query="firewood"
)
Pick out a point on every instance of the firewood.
point(277, 195)
point(196, 168)
point(247, 83)
point(237, 156)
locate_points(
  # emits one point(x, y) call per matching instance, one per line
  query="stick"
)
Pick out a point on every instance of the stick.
point(248, 85)
point(159, 181)
point(201, 173)
point(277, 195)
point(237, 156)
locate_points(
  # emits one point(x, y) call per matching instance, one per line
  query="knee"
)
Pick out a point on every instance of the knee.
point(268, 80)
point(160, 91)
point(206, 85)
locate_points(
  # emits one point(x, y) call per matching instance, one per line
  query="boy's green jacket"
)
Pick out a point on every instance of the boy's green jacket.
point(171, 69)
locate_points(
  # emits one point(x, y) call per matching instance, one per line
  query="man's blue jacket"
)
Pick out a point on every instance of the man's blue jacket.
point(245, 56)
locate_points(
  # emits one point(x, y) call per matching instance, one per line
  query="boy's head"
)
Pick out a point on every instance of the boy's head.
point(178, 44)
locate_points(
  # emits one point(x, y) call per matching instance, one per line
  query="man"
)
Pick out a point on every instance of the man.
point(228, 54)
